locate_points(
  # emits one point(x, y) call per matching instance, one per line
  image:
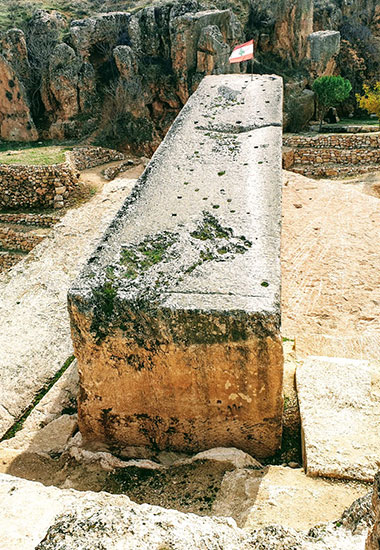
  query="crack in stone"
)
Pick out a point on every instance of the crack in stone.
point(7, 411)
point(213, 293)
point(238, 130)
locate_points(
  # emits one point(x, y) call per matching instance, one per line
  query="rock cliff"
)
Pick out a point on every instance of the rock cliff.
point(121, 78)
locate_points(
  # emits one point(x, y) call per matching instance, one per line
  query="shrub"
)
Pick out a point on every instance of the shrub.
point(330, 91)
point(370, 101)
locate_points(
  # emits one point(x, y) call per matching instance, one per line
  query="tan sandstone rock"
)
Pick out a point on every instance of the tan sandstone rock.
point(16, 122)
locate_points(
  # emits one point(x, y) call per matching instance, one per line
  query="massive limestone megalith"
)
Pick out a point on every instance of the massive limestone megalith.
point(176, 316)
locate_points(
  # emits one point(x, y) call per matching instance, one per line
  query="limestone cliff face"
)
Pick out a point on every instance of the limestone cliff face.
point(122, 78)
point(16, 123)
point(283, 27)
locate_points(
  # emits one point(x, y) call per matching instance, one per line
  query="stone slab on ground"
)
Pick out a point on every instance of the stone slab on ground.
point(340, 417)
point(283, 496)
point(35, 517)
point(35, 338)
point(176, 316)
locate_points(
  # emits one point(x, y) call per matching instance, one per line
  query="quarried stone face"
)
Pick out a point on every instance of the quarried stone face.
point(175, 318)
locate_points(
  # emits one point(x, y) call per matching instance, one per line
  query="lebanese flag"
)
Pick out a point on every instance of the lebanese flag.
point(242, 52)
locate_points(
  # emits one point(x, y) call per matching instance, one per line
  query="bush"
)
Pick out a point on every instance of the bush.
point(370, 101)
point(330, 91)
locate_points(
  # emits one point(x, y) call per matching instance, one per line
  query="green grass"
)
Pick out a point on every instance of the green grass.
point(34, 155)
point(359, 121)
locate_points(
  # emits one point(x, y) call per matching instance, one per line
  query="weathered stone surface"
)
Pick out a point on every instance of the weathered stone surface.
point(55, 435)
point(283, 27)
point(284, 496)
point(188, 35)
point(35, 340)
point(373, 540)
point(175, 319)
point(14, 50)
point(213, 52)
point(92, 35)
point(59, 92)
point(35, 517)
point(299, 108)
point(61, 397)
point(340, 416)
point(16, 123)
point(324, 45)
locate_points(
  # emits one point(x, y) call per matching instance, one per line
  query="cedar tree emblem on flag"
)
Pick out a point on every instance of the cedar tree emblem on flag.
point(242, 52)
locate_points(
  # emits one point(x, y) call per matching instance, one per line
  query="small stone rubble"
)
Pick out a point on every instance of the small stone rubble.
point(112, 172)
point(373, 540)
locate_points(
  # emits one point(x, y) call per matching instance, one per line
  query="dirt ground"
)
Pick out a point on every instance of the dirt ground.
point(331, 266)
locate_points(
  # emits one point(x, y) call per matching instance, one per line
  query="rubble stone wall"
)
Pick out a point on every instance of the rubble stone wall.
point(332, 155)
point(8, 260)
point(89, 157)
point(336, 141)
point(41, 220)
point(24, 186)
point(11, 239)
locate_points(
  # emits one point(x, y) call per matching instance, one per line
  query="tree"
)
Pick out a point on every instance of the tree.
point(370, 101)
point(330, 91)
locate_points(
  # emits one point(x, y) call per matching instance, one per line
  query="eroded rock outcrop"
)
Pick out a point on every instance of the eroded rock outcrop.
point(16, 122)
point(324, 47)
point(174, 45)
point(373, 540)
point(282, 27)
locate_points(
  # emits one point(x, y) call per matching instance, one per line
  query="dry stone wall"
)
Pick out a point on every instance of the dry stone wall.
point(89, 157)
point(15, 240)
point(8, 260)
point(336, 141)
point(49, 186)
point(332, 155)
point(40, 220)
point(36, 186)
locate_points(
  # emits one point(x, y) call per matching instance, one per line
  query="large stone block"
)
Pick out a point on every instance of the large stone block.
point(340, 415)
point(175, 318)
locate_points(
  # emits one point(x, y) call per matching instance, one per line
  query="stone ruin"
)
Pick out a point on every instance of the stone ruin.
point(176, 316)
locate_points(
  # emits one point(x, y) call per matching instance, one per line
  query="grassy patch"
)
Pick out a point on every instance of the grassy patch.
point(34, 156)
point(358, 121)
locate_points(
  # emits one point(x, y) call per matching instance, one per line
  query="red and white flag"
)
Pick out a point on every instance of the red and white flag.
point(242, 52)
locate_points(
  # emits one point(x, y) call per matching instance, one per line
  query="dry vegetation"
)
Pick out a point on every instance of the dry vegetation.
point(34, 155)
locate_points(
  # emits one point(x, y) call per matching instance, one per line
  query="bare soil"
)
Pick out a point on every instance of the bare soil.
point(330, 266)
